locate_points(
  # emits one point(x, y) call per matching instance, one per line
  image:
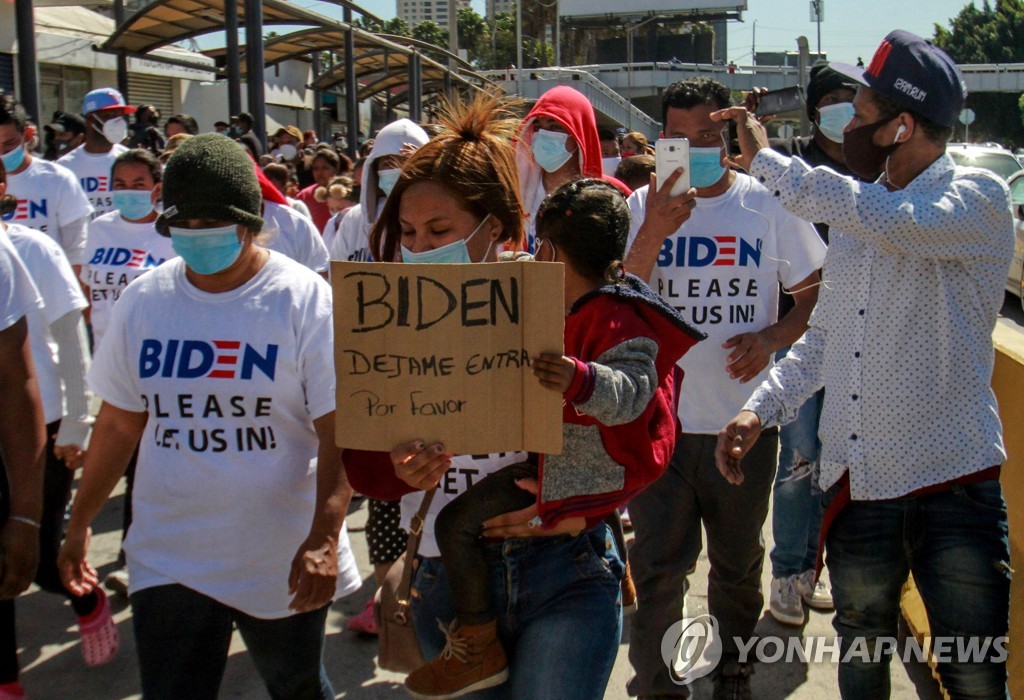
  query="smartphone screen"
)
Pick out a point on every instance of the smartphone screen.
point(789, 99)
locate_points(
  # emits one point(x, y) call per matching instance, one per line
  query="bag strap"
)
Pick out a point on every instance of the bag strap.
point(411, 548)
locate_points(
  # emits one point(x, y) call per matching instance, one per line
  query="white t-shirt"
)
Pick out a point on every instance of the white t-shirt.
point(93, 171)
point(722, 269)
point(61, 294)
point(49, 197)
point(225, 488)
point(466, 470)
point(117, 252)
point(352, 240)
point(293, 235)
point(18, 294)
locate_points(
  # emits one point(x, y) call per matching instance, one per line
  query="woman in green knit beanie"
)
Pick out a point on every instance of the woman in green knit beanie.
point(221, 363)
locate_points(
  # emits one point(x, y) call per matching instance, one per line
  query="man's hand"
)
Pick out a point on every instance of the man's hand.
point(20, 547)
point(419, 465)
point(751, 354)
point(524, 523)
point(71, 455)
point(750, 132)
point(554, 371)
point(734, 441)
point(314, 573)
point(665, 213)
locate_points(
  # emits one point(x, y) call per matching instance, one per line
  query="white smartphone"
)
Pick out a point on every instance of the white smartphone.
point(670, 154)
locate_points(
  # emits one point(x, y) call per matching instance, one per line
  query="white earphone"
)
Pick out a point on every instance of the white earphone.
point(899, 132)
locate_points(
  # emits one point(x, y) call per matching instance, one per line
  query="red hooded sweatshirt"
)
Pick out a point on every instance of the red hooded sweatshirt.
point(572, 110)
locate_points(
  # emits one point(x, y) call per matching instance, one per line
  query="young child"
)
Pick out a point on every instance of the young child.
point(622, 343)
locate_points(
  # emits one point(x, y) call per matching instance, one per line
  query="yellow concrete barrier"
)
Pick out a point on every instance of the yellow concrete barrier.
point(1008, 383)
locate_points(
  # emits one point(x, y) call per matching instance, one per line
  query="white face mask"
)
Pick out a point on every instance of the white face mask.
point(115, 130)
point(609, 164)
point(288, 151)
point(455, 252)
point(833, 119)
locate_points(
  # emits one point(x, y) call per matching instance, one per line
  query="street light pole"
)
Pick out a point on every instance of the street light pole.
point(630, 30)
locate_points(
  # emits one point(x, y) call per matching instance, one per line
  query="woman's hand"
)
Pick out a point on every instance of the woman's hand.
point(523, 523)
point(420, 465)
point(72, 455)
point(554, 371)
point(75, 572)
point(314, 574)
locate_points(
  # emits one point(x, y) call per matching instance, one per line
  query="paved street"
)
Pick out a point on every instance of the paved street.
point(53, 668)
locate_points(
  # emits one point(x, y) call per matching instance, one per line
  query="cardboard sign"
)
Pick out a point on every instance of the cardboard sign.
point(442, 353)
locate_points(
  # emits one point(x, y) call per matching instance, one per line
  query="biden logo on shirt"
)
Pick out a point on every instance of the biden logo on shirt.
point(709, 251)
point(215, 359)
point(118, 257)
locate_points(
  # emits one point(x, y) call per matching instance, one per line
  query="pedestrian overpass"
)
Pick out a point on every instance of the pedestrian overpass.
point(626, 94)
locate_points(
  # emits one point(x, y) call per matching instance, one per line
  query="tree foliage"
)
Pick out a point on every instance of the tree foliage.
point(992, 33)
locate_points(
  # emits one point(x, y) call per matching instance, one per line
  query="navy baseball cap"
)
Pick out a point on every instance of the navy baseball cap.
point(915, 74)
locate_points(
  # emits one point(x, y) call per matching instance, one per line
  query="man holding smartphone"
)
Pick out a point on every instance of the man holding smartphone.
point(718, 254)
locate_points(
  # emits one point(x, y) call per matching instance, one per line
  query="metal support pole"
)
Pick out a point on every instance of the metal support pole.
point(519, 46)
point(558, 37)
point(254, 67)
point(233, 64)
point(415, 87)
point(805, 66)
point(318, 98)
point(122, 57)
point(28, 68)
point(351, 87)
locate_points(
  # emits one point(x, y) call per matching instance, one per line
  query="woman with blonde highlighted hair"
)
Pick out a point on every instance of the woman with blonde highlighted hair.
point(456, 201)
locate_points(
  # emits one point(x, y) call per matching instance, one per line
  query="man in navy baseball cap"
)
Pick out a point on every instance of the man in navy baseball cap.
point(901, 341)
point(916, 74)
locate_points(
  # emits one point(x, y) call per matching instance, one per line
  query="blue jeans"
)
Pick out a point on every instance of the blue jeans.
point(796, 510)
point(182, 639)
point(956, 543)
point(559, 613)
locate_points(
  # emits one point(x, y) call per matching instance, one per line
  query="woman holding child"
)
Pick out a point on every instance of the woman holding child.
point(551, 577)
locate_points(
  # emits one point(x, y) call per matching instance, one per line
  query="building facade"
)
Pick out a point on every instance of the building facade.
point(416, 11)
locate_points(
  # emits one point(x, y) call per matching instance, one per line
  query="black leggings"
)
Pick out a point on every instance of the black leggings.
point(56, 494)
point(457, 531)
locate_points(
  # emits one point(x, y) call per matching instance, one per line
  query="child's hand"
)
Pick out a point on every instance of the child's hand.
point(554, 371)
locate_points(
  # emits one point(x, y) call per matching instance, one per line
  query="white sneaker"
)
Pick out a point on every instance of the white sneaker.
point(814, 593)
point(786, 604)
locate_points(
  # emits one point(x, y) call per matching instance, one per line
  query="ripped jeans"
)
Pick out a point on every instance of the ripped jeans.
point(796, 510)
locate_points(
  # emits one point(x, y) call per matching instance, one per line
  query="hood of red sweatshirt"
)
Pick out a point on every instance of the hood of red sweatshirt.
point(570, 108)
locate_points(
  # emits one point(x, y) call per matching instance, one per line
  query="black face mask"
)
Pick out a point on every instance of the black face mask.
point(863, 157)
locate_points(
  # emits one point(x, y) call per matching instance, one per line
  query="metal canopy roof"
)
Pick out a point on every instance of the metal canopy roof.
point(151, 25)
point(306, 41)
point(381, 60)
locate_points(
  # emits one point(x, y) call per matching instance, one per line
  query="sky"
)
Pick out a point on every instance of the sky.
point(851, 28)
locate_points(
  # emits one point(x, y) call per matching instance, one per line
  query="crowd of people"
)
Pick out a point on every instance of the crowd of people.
point(812, 317)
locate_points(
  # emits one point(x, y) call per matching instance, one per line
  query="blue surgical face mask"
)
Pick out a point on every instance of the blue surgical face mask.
point(133, 204)
point(833, 119)
point(456, 252)
point(13, 160)
point(387, 178)
point(549, 149)
point(705, 166)
point(207, 250)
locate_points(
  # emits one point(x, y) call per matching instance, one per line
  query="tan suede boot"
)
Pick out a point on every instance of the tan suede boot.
point(472, 659)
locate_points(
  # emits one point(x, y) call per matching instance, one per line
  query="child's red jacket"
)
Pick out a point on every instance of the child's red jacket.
point(619, 415)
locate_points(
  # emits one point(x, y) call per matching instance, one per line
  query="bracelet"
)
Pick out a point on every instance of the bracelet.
point(27, 521)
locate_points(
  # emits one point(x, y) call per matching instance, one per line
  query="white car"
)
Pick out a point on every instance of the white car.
point(1015, 278)
point(990, 156)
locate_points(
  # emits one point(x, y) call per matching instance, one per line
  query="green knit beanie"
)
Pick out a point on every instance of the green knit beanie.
point(210, 177)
